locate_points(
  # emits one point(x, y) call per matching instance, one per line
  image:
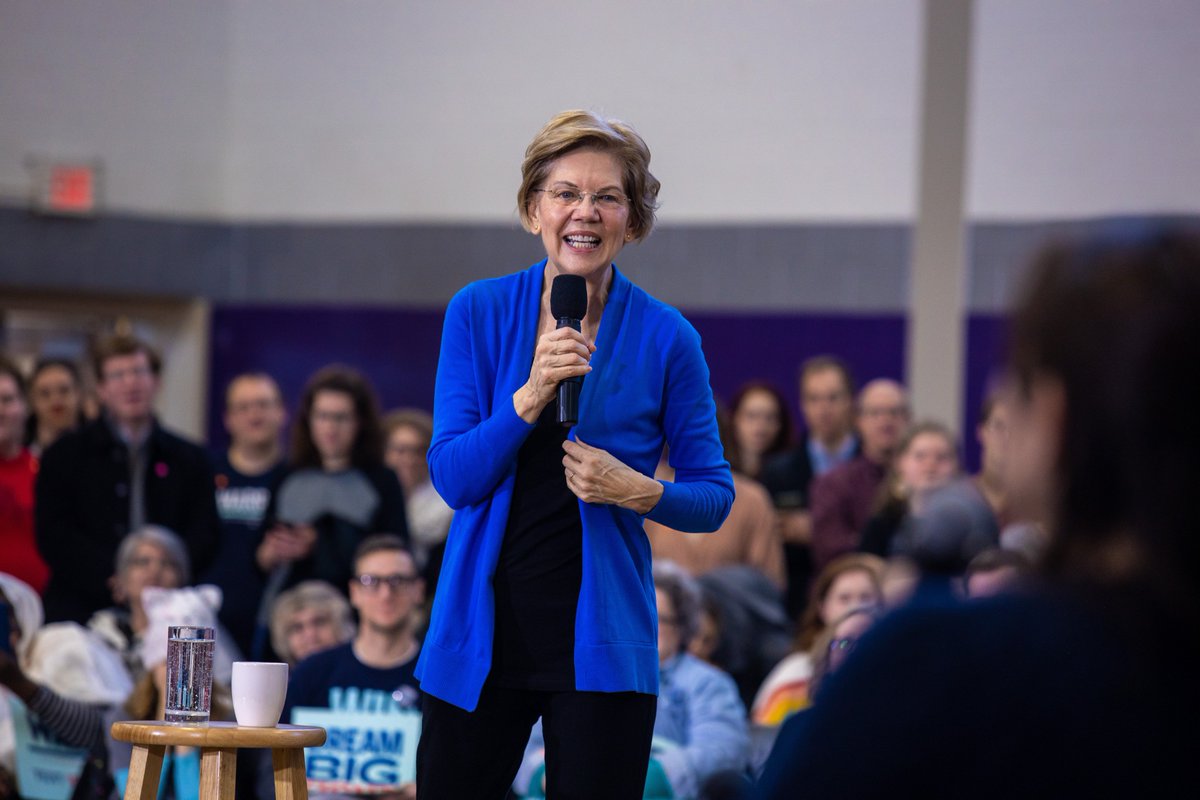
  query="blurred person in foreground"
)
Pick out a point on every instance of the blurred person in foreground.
point(114, 475)
point(1084, 686)
point(545, 605)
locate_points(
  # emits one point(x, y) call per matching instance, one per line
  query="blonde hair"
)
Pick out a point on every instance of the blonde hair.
point(577, 129)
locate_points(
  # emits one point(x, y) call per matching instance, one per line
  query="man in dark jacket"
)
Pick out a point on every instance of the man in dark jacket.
point(114, 475)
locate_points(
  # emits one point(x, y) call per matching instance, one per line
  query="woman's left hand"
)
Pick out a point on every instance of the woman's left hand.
point(596, 476)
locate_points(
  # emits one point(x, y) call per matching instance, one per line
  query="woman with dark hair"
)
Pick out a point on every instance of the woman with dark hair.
point(337, 490)
point(1084, 686)
point(56, 399)
point(18, 471)
point(762, 426)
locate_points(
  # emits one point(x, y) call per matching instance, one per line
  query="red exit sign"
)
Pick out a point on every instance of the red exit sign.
point(70, 188)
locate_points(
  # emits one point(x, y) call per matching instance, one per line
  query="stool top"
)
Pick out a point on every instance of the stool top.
point(217, 734)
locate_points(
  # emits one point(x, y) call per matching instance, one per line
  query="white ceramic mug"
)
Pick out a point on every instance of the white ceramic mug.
point(259, 689)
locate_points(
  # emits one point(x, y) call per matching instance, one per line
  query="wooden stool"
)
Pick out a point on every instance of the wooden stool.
point(218, 743)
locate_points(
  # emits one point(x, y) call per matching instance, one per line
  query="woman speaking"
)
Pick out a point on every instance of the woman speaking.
point(546, 604)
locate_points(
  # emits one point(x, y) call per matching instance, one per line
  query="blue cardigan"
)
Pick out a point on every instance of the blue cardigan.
point(648, 386)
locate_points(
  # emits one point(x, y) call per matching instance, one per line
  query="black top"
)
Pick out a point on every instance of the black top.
point(540, 569)
point(1079, 694)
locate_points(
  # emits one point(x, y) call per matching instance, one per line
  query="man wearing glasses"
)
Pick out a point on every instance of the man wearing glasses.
point(373, 672)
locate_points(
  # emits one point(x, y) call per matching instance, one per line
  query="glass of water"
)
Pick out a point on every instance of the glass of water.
point(189, 674)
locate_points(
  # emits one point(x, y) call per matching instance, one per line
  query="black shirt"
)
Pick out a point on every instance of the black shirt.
point(540, 569)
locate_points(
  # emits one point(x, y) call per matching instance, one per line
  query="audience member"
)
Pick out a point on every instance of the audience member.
point(837, 641)
point(56, 397)
point(1085, 686)
point(747, 536)
point(310, 617)
point(995, 571)
point(246, 474)
point(992, 435)
point(149, 556)
point(18, 468)
point(337, 491)
point(114, 475)
point(408, 432)
point(827, 406)
point(926, 459)
point(700, 729)
point(843, 498)
point(63, 681)
point(847, 582)
point(374, 671)
point(762, 427)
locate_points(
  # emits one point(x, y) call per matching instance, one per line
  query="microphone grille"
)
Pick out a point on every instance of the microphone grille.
point(568, 297)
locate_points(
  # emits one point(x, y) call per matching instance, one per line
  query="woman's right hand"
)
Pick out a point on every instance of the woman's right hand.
point(560, 354)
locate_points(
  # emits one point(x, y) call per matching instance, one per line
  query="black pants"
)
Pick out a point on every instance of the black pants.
point(597, 744)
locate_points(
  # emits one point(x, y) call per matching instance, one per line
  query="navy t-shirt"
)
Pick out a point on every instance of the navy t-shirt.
point(242, 502)
point(311, 682)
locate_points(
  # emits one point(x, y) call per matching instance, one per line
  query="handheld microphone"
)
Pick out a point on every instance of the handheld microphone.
point(568, 304)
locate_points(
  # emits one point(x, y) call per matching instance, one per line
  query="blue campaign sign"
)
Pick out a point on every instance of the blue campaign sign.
point(366, 750)
point(47, 769)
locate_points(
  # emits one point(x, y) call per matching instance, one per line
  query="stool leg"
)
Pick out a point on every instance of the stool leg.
point(290, 781)
point(218, 767)
point(145, 767)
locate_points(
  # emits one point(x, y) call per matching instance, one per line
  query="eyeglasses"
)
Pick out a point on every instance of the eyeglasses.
point(118, 375)
point(569, 198)
point(394, 582)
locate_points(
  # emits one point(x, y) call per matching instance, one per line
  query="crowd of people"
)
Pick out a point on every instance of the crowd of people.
point(1036, 598)
point(104, 507)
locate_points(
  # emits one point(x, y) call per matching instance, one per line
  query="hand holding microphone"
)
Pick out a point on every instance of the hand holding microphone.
point(560, 355)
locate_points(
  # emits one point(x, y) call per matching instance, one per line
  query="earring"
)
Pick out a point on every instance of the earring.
point(535, 227)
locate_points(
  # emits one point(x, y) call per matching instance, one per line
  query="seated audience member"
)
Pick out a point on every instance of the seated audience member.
point(748, 536)
point(992, 435)
point(149, 556)
point(762, 427)
point(65, 681)
point(755, 630)
point(56, 399)
point(246, 474)
point(1083, 686)
point(154, 476)
point(995, 571)
point(844, 497)
point(926, 459)
point(337, 490)
point(827, 408)
point(310, 617)
point(700, 731)
point(837, 641)
point(374, 671)
point(849, 581)
point(408, 432)
point(18, 469)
